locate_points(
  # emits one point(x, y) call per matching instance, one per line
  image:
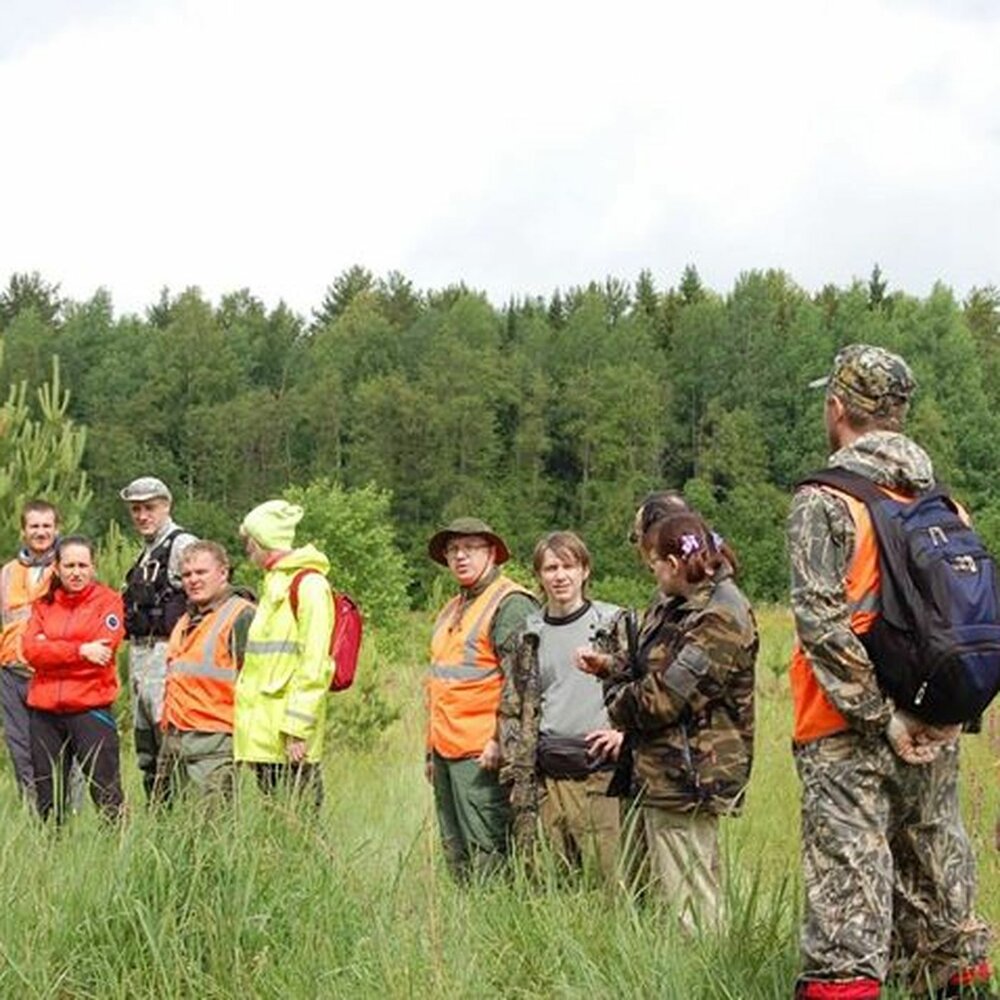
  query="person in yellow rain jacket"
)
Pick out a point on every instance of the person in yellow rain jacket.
point(281, 690)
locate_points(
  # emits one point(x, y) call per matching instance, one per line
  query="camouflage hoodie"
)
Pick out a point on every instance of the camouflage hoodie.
point(690, 708)
point(821, 540)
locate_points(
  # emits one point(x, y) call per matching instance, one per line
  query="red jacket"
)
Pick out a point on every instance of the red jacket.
point(63, 680)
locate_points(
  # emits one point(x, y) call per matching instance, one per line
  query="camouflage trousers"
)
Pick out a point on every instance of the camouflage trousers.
point(147, 672)
point(889, 873)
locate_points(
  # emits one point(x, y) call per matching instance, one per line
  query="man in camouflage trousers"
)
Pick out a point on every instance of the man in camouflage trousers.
point(888, 869)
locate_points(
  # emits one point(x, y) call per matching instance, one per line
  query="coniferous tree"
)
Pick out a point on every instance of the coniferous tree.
point(41, 451)
point(30, 291)
point(339, 295)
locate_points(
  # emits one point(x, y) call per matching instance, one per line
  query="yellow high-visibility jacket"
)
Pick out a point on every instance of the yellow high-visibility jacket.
point(281, 690)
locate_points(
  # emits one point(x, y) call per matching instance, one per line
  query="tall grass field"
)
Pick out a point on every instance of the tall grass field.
point(261, 901)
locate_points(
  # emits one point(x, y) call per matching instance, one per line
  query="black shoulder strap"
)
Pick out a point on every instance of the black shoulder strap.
point(852, 483)
point(857, 485)
point(632, 636)
point(168, 542)
point(166, 545)
point(901, 601)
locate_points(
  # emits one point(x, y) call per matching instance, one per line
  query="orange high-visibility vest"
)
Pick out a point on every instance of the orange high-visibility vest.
point(201, 671)
point(815, 715)
point(17, 591)
point(464, 680)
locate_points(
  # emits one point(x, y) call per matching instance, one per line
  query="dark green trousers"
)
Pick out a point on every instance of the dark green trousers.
point(473, 816)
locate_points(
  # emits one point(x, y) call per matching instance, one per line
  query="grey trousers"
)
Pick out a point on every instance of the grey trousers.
point(14, 704)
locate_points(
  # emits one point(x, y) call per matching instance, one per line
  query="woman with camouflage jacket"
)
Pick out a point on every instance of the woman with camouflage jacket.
point(687, 704)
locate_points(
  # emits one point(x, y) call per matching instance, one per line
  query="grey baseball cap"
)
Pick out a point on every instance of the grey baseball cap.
point(145, 488)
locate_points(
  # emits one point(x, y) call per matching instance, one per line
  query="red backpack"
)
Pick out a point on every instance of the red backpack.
point(345, 640)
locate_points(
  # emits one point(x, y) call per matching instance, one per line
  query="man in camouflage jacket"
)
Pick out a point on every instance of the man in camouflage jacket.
point(888, 869)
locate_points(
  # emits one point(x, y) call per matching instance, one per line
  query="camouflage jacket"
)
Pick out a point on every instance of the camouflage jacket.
point(688, 705)
point(821, 538)
point(520, 720)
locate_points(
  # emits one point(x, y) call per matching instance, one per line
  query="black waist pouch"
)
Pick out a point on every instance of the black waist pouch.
point(566, 757)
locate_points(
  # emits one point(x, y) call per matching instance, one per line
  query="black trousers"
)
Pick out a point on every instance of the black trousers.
point(91, 737)
point(303, 781)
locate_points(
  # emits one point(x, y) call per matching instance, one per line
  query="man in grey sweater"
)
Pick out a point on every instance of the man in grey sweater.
point(558, 748)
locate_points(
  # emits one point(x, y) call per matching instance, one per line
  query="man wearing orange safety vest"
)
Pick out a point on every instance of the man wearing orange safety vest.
point(204, 652)
point(472, 632)
point(22, 580)
point(887, 864)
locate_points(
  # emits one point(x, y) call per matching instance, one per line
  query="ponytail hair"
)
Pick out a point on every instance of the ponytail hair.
point(685, 536)
point(655, 507)
point(668, 503)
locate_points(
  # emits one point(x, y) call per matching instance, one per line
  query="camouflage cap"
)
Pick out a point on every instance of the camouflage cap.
point(872, 378)
point(465, 526)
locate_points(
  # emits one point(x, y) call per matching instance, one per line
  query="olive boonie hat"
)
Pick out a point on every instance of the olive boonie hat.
point(874, 379)
point(145, 488)
point(465, 526)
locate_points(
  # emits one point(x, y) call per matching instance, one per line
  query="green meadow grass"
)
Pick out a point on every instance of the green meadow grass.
point(259, 901)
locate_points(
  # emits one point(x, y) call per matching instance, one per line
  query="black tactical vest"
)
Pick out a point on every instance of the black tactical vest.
point(152, 603)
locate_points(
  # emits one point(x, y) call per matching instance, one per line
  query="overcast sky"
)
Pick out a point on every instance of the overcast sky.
point(518, 146)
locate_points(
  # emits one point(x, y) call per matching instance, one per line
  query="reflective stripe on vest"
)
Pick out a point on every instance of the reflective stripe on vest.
point(815, 714)
point(201, 671)
point(275, 647)
point(470, 669)
point(17, 592)
point(464, 678)
point(205, 667)
point(465, 673)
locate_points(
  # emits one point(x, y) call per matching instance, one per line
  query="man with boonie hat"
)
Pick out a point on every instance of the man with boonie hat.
point(472, 633)
point(889, 873)
point(154, 602)
point(282, 687)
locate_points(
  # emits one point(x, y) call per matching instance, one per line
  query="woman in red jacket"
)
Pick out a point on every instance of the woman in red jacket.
point(70, 641)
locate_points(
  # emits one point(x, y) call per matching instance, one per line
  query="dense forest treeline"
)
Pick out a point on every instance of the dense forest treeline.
point(557, 412)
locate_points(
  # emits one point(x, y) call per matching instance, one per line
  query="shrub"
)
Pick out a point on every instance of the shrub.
point(354, 529)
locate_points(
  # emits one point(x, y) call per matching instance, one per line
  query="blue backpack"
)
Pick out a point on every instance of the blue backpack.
point(936, 643)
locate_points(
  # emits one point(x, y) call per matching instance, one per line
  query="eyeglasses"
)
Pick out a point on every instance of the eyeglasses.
point(453, 549)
